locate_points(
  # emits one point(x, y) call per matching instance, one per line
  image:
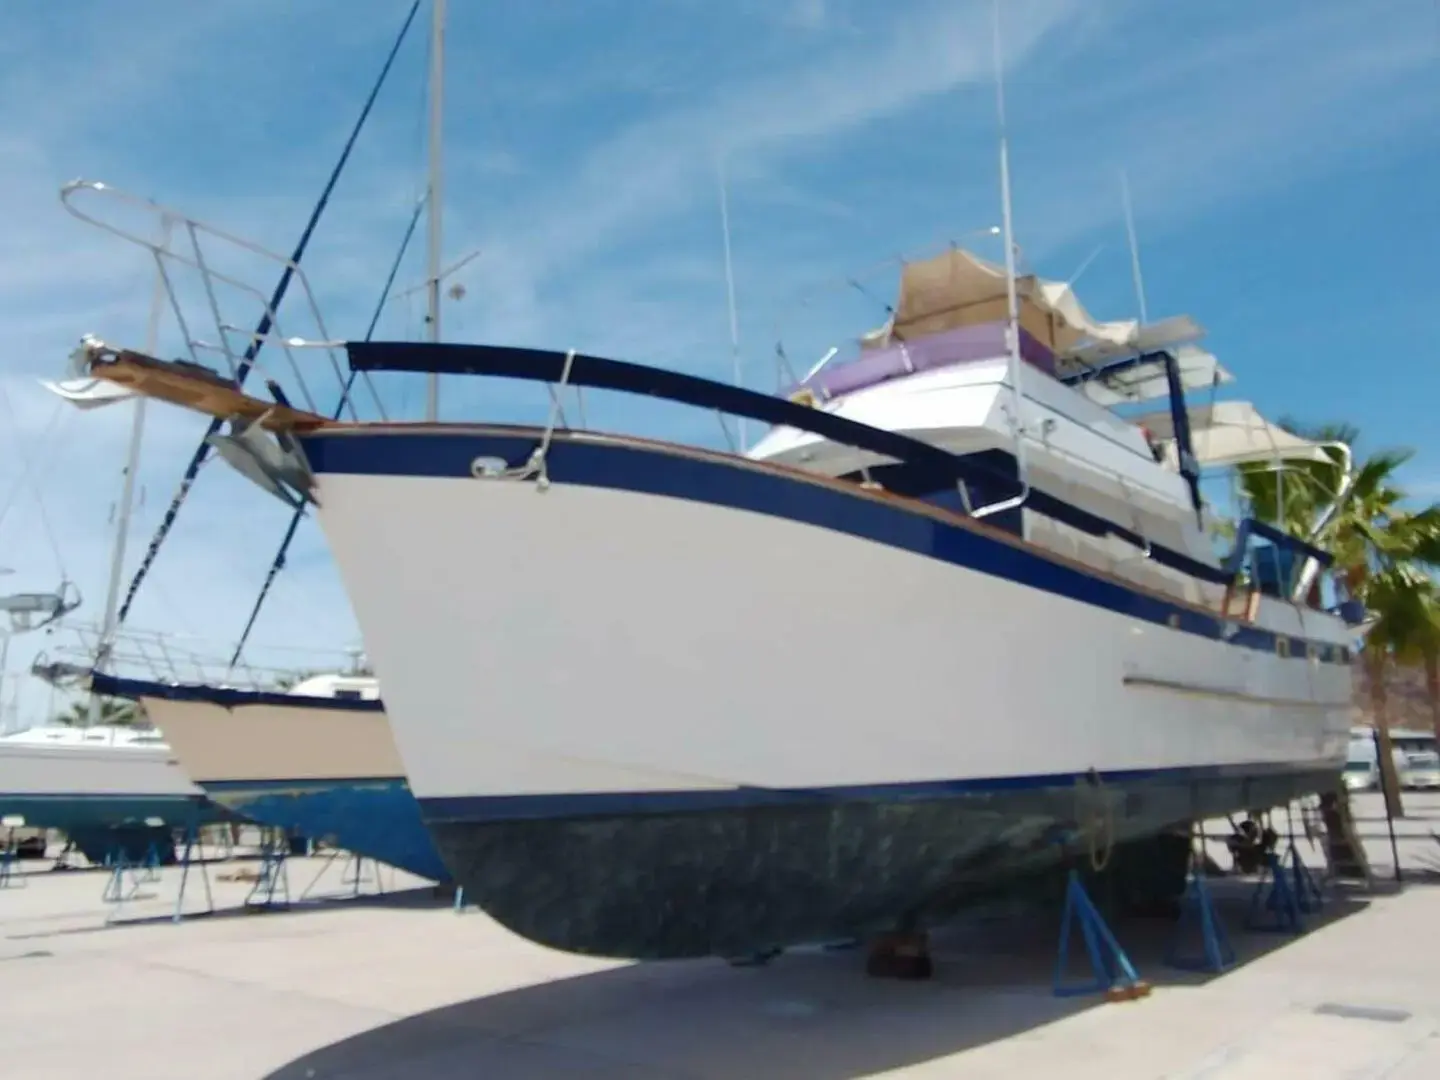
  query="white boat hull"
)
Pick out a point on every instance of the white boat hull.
point(765, 661)
point(78, 788)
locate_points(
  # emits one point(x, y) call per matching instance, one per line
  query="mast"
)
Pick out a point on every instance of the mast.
point(735, 371)
point(434, 212)
point(1012, 297)
point(110, 623)
point(1134, 247)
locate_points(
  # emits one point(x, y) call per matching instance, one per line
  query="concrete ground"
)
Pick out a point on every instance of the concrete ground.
point(403, 986)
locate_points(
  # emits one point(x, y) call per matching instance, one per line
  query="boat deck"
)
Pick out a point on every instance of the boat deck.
point(405, 987)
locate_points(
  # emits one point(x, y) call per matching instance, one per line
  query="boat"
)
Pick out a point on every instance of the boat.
point(955, 619)
point(659, 700)
point(316, 760)
point(109, 788)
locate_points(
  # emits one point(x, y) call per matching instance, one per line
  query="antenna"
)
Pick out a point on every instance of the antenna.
point(434, 208)
point(1134, 247)
point(735, 370)
point(1012, 298)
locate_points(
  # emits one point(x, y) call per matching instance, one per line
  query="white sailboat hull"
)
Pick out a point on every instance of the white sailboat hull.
point(319, 767)
point(99, 787)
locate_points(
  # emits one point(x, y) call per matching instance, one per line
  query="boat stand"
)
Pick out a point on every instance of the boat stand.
point(1115, 976)
point(1197, 911)
point(1284, 895)
point(9, 855)
point(194, 855)
point(9, 877)
point(352, 860)
point(148, 869)
point(118, 892)
point(271, 891)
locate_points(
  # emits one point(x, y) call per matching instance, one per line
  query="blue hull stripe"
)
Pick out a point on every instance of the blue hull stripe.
point(655, 470)
point(498, 808)
point(225, 696)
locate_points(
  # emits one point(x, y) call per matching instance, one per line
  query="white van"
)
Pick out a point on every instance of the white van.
point(1361, 774)
point(1417, 761)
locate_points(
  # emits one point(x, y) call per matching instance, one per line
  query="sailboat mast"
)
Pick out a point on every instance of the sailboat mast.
point(435, 199)
point(110, 622)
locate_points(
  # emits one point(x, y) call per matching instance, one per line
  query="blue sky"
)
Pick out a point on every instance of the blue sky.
point(1282, 163)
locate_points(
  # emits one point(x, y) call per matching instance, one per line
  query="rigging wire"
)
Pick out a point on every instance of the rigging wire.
point(28, 479)
point(279, 562)
point(257, 341)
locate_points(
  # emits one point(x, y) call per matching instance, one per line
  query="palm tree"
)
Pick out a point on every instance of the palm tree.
point(1384, 554)
point(115, 711)
point(1419, 644)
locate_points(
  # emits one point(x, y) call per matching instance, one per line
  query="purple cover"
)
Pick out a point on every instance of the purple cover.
point(963, 345)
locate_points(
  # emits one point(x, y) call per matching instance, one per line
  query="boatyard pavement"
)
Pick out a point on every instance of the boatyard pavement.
point(404, 986)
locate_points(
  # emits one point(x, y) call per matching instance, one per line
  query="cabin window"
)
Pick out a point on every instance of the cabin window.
point(1282, 647)
point(1174, 620)
point(350, 695)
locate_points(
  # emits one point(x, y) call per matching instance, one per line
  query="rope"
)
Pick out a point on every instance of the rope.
point(1103, 815)
point(28, 479)
point(252, 351)
point(279, 563)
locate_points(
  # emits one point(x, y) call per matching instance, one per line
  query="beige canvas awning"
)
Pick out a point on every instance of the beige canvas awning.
point(1231, 433)
point(957, 289)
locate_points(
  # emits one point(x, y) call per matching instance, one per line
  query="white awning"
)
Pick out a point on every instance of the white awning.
point(88, 393)
point(956, 289)
point(1232, 433)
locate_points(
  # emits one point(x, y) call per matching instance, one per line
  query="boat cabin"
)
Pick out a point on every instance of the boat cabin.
point(1078, 477)
point(348, 686)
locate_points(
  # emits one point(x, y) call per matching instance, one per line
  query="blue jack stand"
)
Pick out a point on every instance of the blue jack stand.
point(193, 856)
point(149, 868)
point(9, 879)
point(1284, 897)
point(1196, 906)
point(274, 878)
point(1115, 976)
point(117, 893)
point(1302, 881)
